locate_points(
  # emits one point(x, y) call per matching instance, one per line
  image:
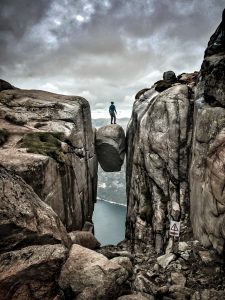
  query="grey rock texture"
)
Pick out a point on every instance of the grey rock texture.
point(207, 176)
point(158, 149)
point(137, 296)
point(51, 146)
point(31, 273)
point(110, 147)
point(91, 276)
point(33, 244)
point(24, 218)
point(187, 276)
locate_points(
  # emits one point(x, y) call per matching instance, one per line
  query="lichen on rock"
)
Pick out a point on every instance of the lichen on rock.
point(45, 143)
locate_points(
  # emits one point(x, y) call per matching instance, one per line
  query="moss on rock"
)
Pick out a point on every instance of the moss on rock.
point(15, 120)
point(45, 143)
point(5, 99)
point(3, 135)
point(162, 85)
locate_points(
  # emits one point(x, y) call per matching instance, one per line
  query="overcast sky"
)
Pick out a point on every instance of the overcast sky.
point(102, 50)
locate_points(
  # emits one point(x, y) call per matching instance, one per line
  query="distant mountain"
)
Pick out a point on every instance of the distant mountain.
point(111, 186)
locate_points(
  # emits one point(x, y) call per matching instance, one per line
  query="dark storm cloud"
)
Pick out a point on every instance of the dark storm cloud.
point(102, 48)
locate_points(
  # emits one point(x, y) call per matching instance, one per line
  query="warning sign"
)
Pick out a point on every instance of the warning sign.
point(174, 228)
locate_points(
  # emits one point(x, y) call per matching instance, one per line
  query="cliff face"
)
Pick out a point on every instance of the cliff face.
point(34, 243)
point(159, 137)
point(176, 157)
point(49, 142)
point(207, 176)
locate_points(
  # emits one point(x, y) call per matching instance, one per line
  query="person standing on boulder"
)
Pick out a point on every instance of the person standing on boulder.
point(112, 112)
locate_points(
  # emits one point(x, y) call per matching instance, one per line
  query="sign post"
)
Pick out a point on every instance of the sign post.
point(174, 228)
point(174, 232)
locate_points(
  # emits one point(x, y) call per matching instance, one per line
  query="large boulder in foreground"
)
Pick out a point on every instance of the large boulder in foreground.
point(31, 273)
point(110, 147)
point(89, 275)
point(24, 219)
point(50, 144)
point(33, 243)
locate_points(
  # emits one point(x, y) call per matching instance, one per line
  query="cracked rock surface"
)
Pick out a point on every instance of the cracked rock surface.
point(50, 145)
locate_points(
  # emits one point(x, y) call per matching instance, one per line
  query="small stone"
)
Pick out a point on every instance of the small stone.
point(178, 278)
point(182, 246)
point(166, 259)
point(205, 256)
point(156, 267)
point(169, 246)
point(163, 289)
point(185, 255)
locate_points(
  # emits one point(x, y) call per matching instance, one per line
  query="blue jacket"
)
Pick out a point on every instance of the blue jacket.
point(112, 108)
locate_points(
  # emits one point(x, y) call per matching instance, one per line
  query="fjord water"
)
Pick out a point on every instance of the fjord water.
point(110, 210)
point(109, 220)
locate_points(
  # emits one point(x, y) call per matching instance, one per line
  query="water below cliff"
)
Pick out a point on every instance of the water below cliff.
point(109, 220)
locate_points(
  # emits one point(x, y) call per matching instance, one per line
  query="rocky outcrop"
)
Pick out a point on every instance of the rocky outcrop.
point(110, 147)
point(192, 273)
point(24, 219)
point(33, 245)
point(89, 275)
point(50, 144)
point(167, 171)
point(4, 85)
point(175, 171)
point(207, 176)
point(170, 77)
point(158, 143)
point(31, 273)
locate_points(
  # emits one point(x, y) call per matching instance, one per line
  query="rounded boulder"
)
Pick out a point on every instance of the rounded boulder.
point(110, 147)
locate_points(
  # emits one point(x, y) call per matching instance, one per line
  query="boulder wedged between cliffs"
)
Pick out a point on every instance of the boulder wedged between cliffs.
point(110, 147)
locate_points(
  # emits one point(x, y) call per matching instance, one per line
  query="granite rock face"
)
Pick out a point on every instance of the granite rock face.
point(31, 273)
point(51, 146)
point(176, 157)
point(110, 147)
point(33, 245)
point(158, 143)
point(91, 276)
point(24, 218)
point(207, 176)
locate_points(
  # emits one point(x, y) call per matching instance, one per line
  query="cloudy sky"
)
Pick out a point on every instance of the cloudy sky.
point(102, 50)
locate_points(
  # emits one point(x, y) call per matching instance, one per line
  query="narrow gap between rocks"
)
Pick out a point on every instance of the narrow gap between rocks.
point(110, 209)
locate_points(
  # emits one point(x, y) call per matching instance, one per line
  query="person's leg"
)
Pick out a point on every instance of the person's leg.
point(111, 118)
point(114, 118)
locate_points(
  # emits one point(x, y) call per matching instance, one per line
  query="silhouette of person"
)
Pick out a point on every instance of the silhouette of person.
point(112, 112)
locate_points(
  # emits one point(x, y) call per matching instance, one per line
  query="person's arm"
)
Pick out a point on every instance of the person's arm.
point(115, 110)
